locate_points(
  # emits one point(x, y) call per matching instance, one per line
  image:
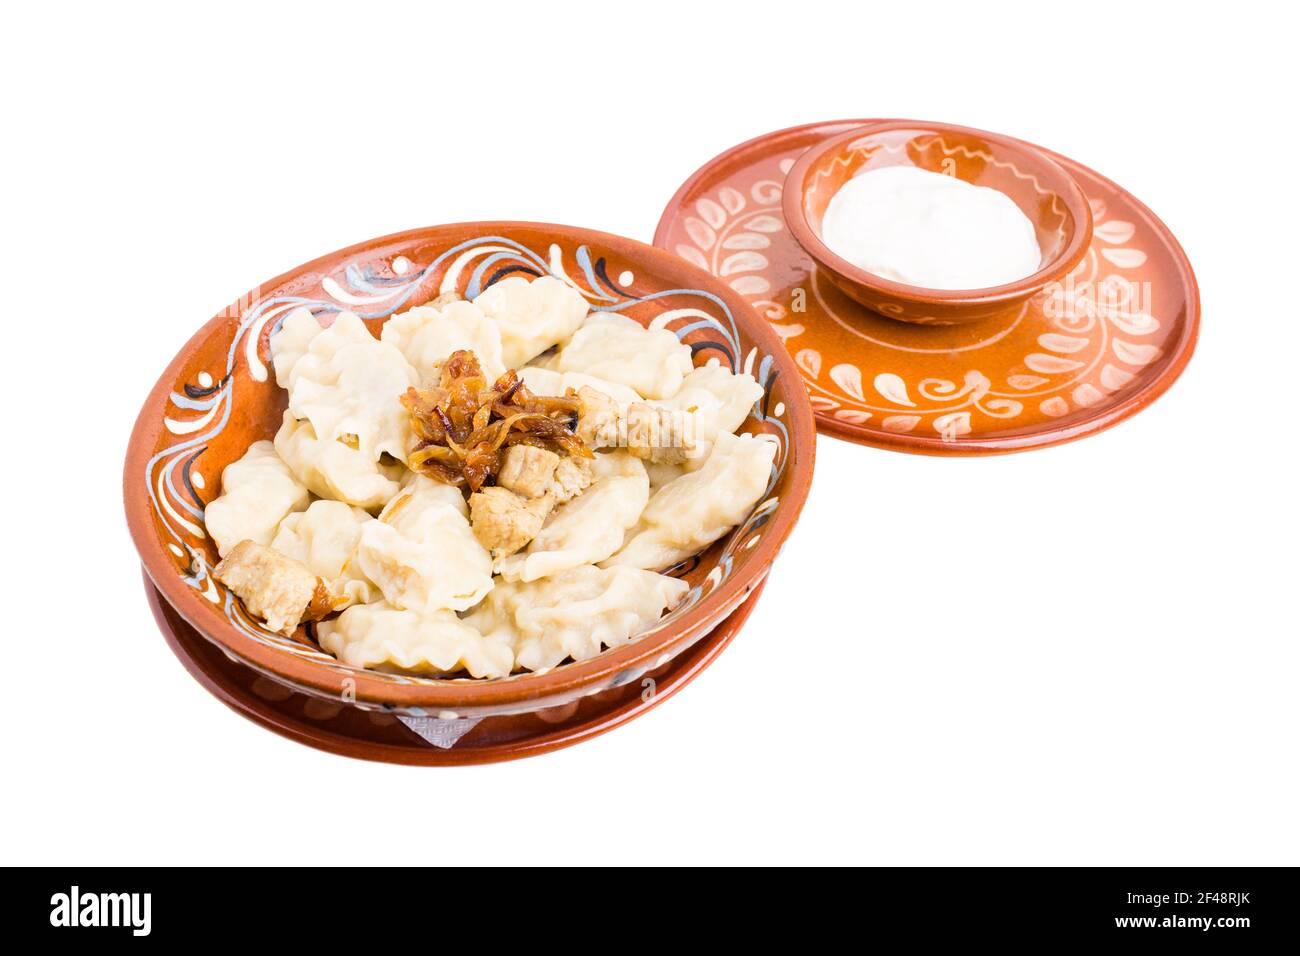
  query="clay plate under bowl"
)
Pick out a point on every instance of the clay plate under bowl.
point(218, 396)
point(1047, 195)
point(332, 726)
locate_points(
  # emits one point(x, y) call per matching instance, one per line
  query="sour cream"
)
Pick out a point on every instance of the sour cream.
point(930, 230)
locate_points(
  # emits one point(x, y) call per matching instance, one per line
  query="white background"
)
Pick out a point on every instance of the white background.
point(1080, 655)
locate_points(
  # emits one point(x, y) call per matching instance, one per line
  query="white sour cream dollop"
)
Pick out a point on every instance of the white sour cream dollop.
point(930, 230)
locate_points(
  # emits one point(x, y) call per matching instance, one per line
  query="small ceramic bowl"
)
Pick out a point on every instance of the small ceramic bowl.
point(219, 395)
point(1041, 187)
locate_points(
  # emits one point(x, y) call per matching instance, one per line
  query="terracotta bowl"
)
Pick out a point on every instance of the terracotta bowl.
point(1040, 186)
point(218, 396)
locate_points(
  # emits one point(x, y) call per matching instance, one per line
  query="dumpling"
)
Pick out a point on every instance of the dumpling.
point(420, 492)
point(422, 553)
point(690, 513)
point(588, 528)
point(324, 538)
point(532, 316)
point(652, 362)
point(332, 469)
point(575, 613)
point(349, 385)
point(427, 335)
point(717, 400)
point(383, 637)
point(256, 493)
point(545, 381)
point(291, 342)
point(662, 472)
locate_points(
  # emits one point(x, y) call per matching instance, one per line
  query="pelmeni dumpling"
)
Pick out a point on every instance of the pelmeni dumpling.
point(256, 493)
point(422, 553)
point(663, 472)
point(588, 528)
point(545, 381)
point(532, 316)
point(428, 334)
point(652, 362)
point(574, 613)
point(324, 538)
point(690, 513)
point(349, 385)
point(718, 399)
point(383, 637)
point(332, 469)
point(291, 341)
point(420, 492)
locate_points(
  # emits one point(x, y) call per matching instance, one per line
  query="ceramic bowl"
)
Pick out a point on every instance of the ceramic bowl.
point(218, 396)
point(335, 727)
point(1040, 186)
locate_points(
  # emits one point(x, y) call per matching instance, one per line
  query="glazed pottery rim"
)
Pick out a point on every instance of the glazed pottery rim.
point(1105, 417)
point(518, 689)
point(545, 742)
point(1073, 197)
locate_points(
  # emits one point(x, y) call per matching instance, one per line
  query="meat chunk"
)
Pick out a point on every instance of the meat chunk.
point(599, 419)
point(527, 470)
point(572, 477)
point(651, 432)
point(277, 589)
point(503, 521)
point(656, 433)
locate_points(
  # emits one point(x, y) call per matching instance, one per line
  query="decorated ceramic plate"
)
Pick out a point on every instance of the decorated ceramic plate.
point(1086, 353)
point(431, 741)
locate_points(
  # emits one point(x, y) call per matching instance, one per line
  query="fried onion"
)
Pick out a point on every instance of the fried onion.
point(464, 424)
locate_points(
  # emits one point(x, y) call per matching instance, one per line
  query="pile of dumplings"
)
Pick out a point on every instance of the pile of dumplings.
point(326, 523)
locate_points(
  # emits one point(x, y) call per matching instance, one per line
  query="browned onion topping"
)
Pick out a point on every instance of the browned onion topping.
point(464, 424)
